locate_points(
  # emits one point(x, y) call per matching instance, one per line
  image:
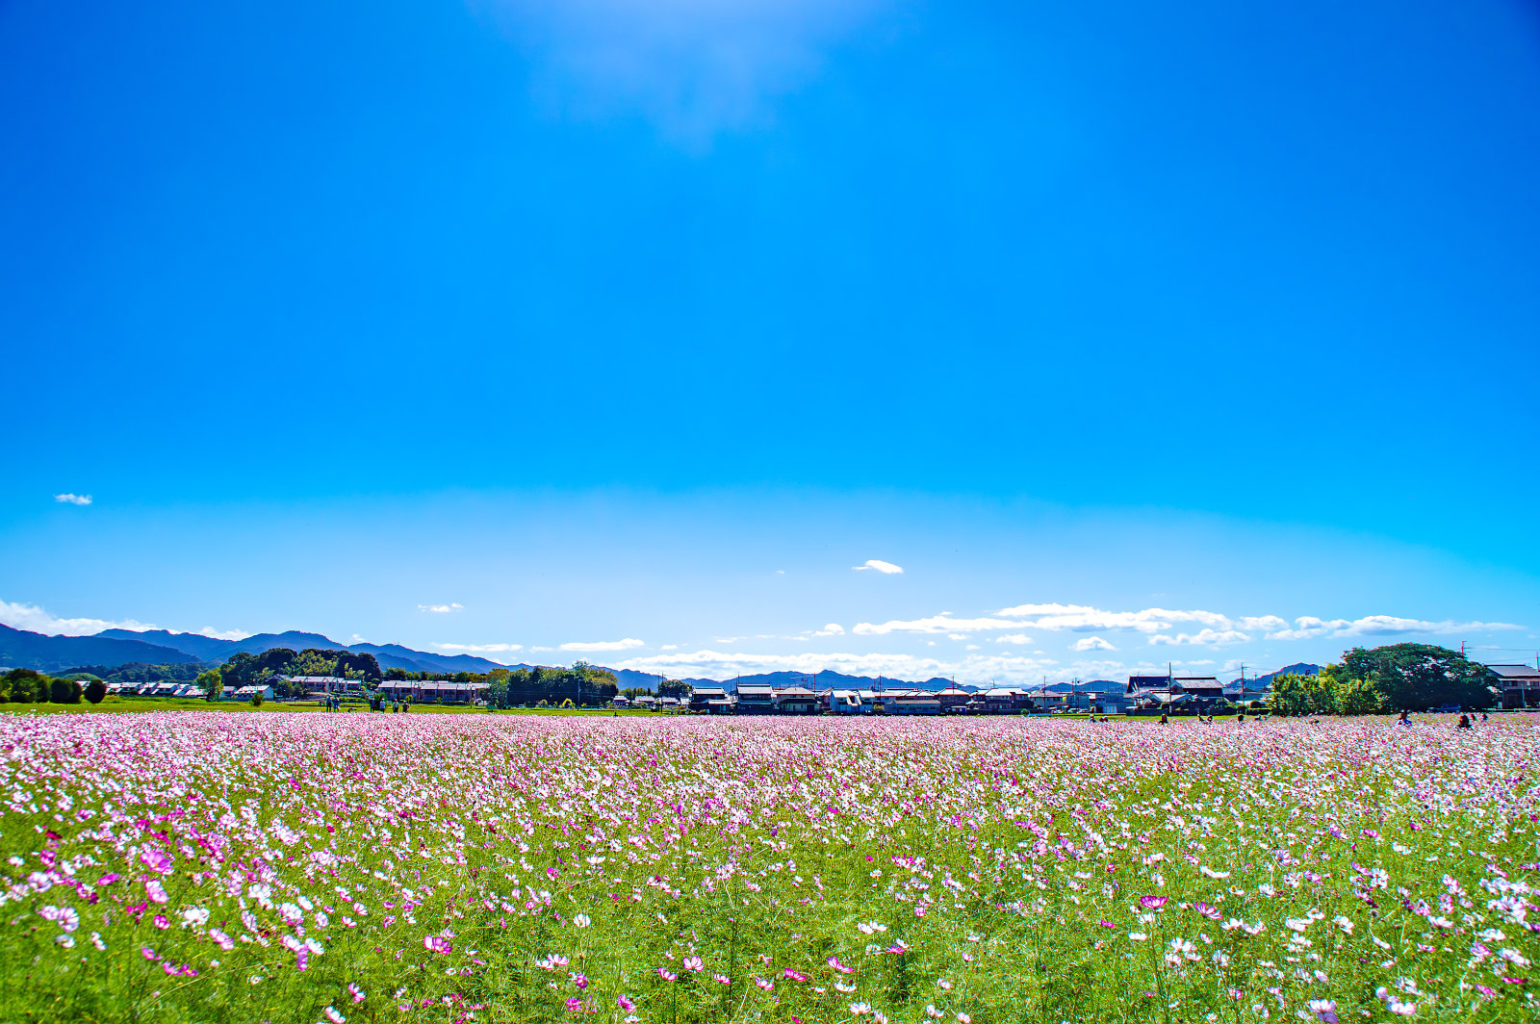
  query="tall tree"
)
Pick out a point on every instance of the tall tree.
point(1410, 677)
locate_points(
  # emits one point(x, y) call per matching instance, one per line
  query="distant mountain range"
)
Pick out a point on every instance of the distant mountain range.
point(1301, 669)
point(21, 648)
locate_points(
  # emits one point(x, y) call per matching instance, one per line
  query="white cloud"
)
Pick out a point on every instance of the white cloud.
point(441, 609)
point(33, 618)
point(224, 634)
point(481, 648)
point(1203, 638)
point(943, 623)
point(832, 629)
point(878, 565)
point(1261, 623)
point(1081, 618)
point(1092, 643)
point(692, 67)
point(974, 668)
point(1019, 639)
point(72, 499)
point(604, 645)
point(1308, 627)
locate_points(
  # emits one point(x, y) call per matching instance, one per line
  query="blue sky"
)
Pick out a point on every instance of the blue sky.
point(1205, 334)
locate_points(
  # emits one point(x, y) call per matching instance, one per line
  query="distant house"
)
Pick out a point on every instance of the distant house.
point(847, 702)
point(913, 702)
point(1520, 685)
point(1202, 690)
point(620, 701)
point(702, 696)
point(1107, 702)
point(794, 700)
point(953, 697)
point(322, 684)
point(756, 699)
point(1008, 700)
point(442, 691)
point(248, 692)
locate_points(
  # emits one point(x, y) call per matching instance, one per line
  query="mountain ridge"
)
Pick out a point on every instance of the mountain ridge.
point(56, 653)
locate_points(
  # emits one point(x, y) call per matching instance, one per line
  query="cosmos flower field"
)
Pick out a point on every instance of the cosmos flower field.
point(199, 866)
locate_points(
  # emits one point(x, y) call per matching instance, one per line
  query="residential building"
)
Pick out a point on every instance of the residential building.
point(756, 699)
point(702, 696)
point(1520, 685)
point(426, 691)
point(794, 700)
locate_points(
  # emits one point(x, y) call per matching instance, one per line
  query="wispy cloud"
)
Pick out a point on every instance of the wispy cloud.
point(480, 648)
point(224, 634)
point(724, 664)
point(943, 623)
point(974, 668)
point(692, 67)
point(1084, 618)
point(441, 609)
point(33, 618)
point(878, 565)
point(1309, 628)
point(1203, 638)
point(832, 629)
point(1019, 639)
point(72, 499)
point(629, 643)
point(1092, 643)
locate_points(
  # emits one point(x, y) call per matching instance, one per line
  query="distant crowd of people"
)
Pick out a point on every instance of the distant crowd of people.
point(1467, 721)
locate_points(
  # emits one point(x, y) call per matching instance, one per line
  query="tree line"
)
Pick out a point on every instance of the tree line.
point(1400, 677)
point(28, 686)
point(582, 684)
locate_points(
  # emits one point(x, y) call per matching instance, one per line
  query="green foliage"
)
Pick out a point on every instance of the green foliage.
point(64, 691)
point(140, 672)
point(96, 690)
point(24, 684)
point(256, 699)
point(675, 688)
point(1399, 677)
point(1412, 677)
point(212, 683)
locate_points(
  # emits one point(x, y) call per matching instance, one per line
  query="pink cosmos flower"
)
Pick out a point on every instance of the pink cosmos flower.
point(436, 944)
point(157, 861)
point(834, 962)
point(1153, 902)
point(624, 1003)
